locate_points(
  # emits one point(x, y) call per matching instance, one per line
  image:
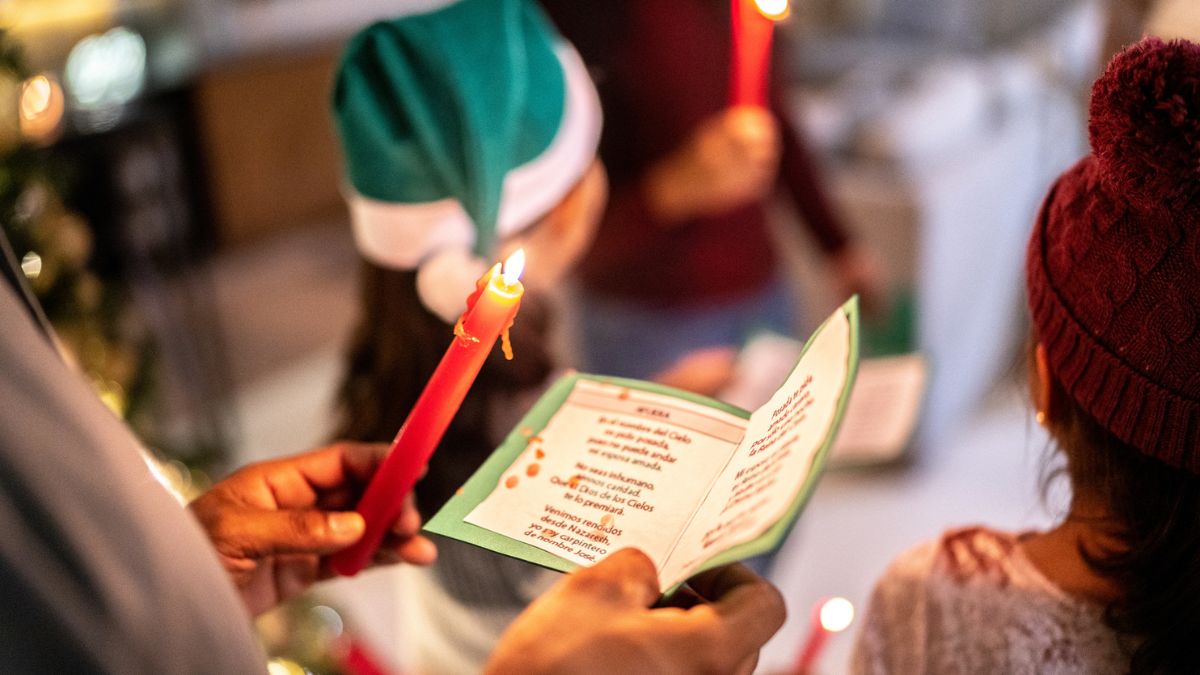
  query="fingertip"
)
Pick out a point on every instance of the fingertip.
point(346, 526)
point(409, 522)
point(419, 551)
point(636, 561)
point(627, 575)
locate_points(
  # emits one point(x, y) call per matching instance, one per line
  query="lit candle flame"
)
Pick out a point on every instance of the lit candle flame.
point(836, 614)
point(514, 267)
point(774, 10)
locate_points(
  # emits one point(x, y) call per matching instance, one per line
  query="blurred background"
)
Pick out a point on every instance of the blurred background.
point(171, 182)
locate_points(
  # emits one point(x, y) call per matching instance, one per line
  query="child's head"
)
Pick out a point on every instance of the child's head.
point(1113, 273)
point(1113, 265)
point(467, 131)
point(466, 128)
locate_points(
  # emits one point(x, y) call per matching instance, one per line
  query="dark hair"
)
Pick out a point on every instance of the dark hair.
point(1155, 515)
point(395, 348)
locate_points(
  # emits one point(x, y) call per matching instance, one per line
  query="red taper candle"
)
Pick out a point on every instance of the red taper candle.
point(753, 23)
point(490, 311)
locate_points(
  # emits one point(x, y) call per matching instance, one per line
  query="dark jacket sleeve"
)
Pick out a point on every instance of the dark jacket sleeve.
point(101, 570)
point(799, 173)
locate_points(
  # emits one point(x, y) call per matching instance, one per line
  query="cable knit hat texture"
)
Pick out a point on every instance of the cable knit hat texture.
point(1113, 266)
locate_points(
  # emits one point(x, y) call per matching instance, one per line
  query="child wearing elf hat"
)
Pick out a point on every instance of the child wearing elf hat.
point(1113, 274)
point(468, 129)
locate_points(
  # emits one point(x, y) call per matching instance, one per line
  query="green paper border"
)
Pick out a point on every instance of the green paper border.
point(450, 519)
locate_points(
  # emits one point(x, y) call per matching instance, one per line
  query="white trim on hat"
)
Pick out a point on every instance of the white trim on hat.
point(401, 236)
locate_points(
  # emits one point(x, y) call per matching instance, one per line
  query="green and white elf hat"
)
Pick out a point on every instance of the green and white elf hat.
point(461, 123)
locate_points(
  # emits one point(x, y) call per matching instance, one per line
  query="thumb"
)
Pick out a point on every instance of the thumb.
point(627, 577)
point(312, 531)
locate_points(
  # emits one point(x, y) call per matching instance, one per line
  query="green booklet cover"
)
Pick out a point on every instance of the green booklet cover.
point(601, 463)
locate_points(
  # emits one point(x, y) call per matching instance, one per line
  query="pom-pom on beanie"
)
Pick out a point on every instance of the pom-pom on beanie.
point(1113, 265)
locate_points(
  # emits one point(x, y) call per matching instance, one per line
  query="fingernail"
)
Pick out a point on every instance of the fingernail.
point(346, 525)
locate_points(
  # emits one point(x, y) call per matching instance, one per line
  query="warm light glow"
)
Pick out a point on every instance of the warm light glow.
point(773, 9)
point(282, 666)
point(836, 614)
point(26, 16)
point(514, 267)
point(35, 97)
point(31, 265)
point(41, 107)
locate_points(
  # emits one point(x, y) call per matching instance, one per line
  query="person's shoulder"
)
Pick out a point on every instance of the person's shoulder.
point(976, 552)
point(958, 555)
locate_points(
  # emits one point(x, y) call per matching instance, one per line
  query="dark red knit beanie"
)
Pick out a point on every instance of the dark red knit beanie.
point(1113, 266)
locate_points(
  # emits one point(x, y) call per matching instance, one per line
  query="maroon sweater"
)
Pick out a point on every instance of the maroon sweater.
point(662, 68)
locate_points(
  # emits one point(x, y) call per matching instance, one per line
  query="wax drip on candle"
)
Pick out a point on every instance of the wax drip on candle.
point(480, 284)
point(513, 268)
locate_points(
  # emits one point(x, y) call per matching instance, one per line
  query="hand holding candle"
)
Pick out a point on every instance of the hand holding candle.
point(490, 312)
point(753, 25)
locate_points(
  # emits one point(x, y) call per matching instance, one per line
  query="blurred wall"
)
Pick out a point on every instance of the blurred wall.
point(268, 139)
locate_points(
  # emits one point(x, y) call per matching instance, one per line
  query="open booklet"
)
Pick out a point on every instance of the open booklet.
point(600, 464)
point(883, 411)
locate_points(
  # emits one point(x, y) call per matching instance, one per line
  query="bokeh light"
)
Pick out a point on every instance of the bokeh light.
point(773, 9)
point(106, 71)
point(40, 108)
point(837, 614)
point(31, 265)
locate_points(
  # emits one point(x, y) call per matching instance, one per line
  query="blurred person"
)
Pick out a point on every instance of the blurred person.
point(468, 131)
point(1113, 277)
point(683, 269)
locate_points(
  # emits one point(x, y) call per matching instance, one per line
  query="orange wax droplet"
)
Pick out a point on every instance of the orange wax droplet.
point(526, 432)
point(549, 534)
point(460, 490)
point(574, 481)
point(505, 343)
point(480, 284)
point(535, 439)
point(539, 454)
point(624, 395)
point(511, 482)
point(606, 520)
point(461, 333)
point(532, 470)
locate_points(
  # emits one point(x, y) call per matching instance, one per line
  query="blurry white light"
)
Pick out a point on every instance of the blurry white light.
point(41, 107)
point(106, 71)
point(773, 9)
point(837, 614)
point(331, 619)
point(31, 265)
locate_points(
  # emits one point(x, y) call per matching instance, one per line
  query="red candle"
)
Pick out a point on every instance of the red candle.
point(490, 311)
point(832, 615)
point(753, 25)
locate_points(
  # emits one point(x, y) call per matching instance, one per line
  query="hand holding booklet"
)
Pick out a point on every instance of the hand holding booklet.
point(600, 464)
